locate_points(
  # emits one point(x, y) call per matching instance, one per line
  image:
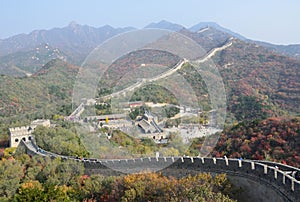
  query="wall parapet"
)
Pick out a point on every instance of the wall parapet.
point(273, 175)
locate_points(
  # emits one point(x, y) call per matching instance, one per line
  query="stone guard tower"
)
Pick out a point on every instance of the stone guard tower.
point(25, 132)
point(19, 133)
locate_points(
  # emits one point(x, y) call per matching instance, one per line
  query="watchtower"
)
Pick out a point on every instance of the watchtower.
point(25, 132)
point(19, 133)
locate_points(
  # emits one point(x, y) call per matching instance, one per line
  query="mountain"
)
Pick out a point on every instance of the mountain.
point(74, 41)
point(165, 25)
point(248, 69)
point(273, 139)
point(19, 55)
point(43, 94)
point(208, 39)
point(259, 83)
point(289, 50)
point(202, 26)
point(26, 63)
point(252, 70)
point(68, 39)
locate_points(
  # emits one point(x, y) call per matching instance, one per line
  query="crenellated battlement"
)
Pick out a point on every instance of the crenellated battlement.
point(265, 181)
point(22, 129)
point(25, 132)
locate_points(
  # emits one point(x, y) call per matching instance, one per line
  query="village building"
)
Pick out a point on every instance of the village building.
point(147, 123)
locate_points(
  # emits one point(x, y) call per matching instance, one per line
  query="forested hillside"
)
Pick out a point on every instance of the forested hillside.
point(251, 70)
point(42, 179)
point(45, 93)
point(258, 83)
point(272, 139)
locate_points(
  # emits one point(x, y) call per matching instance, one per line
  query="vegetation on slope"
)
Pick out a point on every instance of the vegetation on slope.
point(126, 70)
point(259, 84)
point(247, 70)
point(60, 140)
point(252, 76)
point(28, 62)
point(250, 70)
point(42, 179)
point(273, 139)
point(154, 93)
point(42, 95)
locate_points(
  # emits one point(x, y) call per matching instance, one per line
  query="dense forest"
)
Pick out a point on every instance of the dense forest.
point(258, 84)
point(41, 179)
point(272, 139)
point(43, 94)
point(262, 123)
point(251, 70)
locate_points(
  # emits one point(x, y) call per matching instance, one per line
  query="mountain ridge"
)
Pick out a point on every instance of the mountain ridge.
point(251, 74)
point(163, 24)
point(57, 37)
point(202, 25)
point(76, 41)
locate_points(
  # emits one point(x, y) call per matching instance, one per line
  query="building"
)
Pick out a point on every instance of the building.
point(147, 124)
point(109, 117)
point(135, 104)
point(17, 134)
point(40, 122)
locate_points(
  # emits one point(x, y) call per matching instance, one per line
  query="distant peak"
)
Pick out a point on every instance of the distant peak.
point(108, 27)
point(163, 24)
point(200, 27)
point(73, 24)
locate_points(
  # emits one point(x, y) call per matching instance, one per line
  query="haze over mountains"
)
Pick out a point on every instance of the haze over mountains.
point(247, 69)
point(261, 80)
point(74, 41)
point(26, 53)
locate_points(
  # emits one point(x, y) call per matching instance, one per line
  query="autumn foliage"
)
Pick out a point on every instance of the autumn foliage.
point(274, 139)
point(157, 187)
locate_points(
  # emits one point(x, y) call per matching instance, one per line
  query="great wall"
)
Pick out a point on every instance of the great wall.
point(259, 180)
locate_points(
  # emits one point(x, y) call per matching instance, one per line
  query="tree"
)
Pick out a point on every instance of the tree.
point(35, 191)
point(60, 140)
point(30, 191)
point(11, 172)
point(248, 108)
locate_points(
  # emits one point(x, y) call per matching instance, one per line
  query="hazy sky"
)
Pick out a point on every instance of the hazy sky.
point(275, 21)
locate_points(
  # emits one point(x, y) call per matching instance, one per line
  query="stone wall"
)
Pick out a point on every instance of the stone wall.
point(261, 181)
point(18, 134)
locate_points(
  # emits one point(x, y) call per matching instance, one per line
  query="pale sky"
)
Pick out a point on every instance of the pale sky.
point(274, 21)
